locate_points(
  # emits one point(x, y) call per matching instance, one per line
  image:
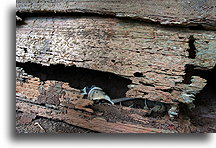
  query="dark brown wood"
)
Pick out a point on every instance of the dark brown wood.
point(86, 121)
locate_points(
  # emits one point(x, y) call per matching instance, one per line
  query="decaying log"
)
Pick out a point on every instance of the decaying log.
point(84, 120)
point(169, 12)
point(67, 103)
point(152, 57)
point(61, 52)
point(50, 92)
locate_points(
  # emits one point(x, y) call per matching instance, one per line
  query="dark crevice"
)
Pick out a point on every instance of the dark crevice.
point(140, 103)
point(191, 70)
point(138, 74)
point(197, 27)
point(209, 75)
point(19, 23)
point(61, 13)
point(203, 115)
point(192, 48)
point(115, 86)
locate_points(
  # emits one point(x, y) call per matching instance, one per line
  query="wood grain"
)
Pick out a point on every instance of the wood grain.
point(158, 55)
point(169, 12)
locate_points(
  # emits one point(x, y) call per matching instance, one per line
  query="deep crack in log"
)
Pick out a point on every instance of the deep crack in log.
point(77, 77)
point(192, 48)
point(63, 49)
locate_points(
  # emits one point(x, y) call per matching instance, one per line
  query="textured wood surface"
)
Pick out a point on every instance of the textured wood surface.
point(116, 50)
point(96, 124)
point(154, 58)
point(169, 12)
point(57, 100)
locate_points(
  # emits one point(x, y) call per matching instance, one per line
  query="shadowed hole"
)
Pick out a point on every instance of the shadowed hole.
point(138, 74)
point(115, 86)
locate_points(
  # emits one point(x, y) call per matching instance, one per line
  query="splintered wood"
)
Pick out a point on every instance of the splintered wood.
point(155, 59)
point(159, 55)
point(67, 104)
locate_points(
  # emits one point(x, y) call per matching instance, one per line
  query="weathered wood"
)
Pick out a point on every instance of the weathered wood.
point(33, 98)
point(50, 92)
point(153, 57)
point(156, 62)
point(169, 12)
point(87, 121)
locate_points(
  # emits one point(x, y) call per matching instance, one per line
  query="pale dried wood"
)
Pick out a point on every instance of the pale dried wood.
point(169, 12)
point(159, 55)
point(153, 57)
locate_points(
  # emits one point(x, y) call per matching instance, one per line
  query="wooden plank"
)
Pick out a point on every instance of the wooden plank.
point(169, 12)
